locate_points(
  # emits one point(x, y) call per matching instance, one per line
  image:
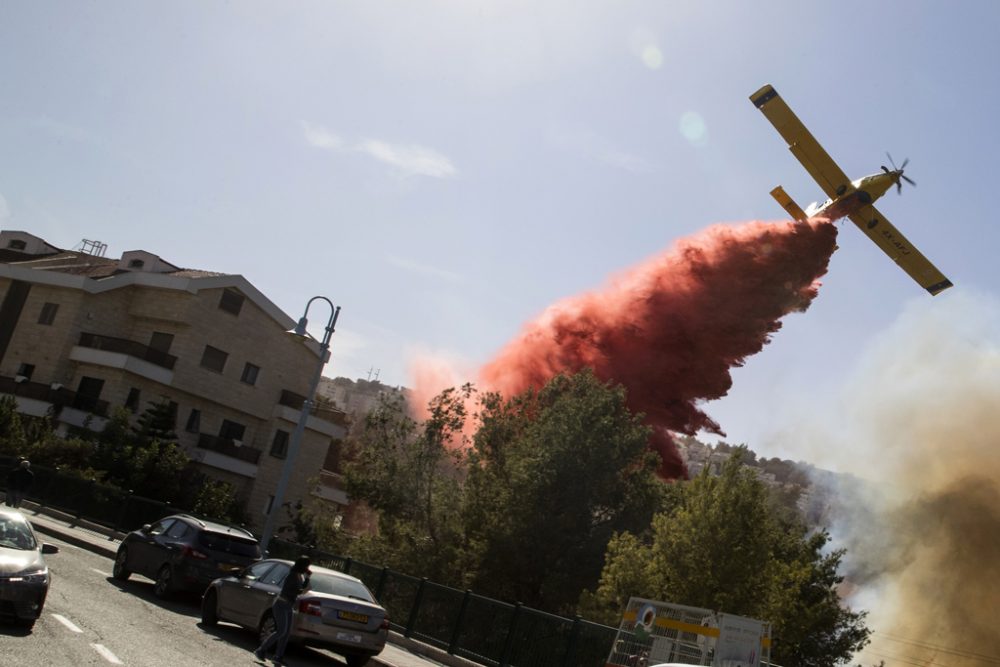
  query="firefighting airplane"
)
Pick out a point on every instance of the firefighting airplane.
point(852, 199)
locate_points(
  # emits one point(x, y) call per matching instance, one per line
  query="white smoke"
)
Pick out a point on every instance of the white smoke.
point(919, 420)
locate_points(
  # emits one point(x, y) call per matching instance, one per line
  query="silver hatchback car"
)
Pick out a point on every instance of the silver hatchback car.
point(336, 611)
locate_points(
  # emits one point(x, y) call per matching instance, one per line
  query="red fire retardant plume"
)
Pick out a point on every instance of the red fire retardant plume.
point(671, 329)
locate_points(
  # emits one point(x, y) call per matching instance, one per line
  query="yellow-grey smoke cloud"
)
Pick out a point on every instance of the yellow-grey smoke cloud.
point(920, 420)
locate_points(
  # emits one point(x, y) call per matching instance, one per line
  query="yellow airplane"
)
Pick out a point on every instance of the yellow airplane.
point(847, 198)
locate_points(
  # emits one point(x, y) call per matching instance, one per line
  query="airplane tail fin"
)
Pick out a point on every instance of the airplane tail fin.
point(788, 204)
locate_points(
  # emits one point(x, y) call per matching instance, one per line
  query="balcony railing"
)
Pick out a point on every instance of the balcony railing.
point(40, 391)
point(227, 447)
point(129, 347)
point(90, 404)
point(292, 400)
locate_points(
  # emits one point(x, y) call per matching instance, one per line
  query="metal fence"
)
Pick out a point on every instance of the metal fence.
point(471, 626)
point(90, 500)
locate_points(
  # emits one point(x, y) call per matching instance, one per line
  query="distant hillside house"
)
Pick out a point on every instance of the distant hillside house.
point(81, 333)
point(357, 397)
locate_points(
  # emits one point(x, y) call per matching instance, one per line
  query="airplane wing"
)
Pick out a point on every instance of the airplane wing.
point(803, 145)
point(894, 244)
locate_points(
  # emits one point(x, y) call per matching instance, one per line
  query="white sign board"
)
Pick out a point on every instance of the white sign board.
point(739, 642)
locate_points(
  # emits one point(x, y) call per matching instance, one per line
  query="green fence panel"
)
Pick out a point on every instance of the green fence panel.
point(438, 615)
point(484, 630)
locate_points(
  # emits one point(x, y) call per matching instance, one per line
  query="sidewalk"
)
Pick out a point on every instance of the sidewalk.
point(400, 652)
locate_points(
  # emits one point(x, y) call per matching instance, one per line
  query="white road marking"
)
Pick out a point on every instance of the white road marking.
point(106, 654)
point(100, 572)
point(68, 623)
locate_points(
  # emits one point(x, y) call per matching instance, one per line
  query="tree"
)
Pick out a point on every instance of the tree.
point(312, 524)
point(216, 499)
point(410, 473)
point(553, 475)
point(156, 423)
point(814, 625)
point(146, 457)
point(524, 510)
point(721, 547)
point(12, 439)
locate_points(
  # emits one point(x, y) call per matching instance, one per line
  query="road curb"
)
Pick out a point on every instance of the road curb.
point(68, 535)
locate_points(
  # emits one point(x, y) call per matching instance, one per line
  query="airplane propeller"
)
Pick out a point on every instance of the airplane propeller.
point(899, 185)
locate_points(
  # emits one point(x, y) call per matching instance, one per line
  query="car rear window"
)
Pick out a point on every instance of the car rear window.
point(325, 583)
point(231, 544)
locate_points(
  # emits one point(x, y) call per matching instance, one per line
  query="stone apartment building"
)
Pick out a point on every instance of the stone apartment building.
point(356, 397)
point(85, 333)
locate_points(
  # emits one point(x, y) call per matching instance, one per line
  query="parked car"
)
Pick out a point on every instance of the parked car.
point(24, 577)
point(336, 611)
point(184, 553)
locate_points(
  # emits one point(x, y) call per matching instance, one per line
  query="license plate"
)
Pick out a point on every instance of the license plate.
point(352, 616)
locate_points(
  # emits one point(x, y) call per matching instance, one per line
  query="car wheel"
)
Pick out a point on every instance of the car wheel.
point(267, 627)
point(357, 660)
point(26, 623)
point(210, 608)
point(164, 585)
point(119, 571)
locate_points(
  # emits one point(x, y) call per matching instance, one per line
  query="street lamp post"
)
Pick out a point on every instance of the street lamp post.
point(293, 444)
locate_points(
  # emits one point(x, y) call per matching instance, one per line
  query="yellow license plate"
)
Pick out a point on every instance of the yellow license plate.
point(352, 616)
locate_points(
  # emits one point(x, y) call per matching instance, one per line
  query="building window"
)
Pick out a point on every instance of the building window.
point(279, 446)
point(250, 374)
point(88, 393)
point(132, 402)
point(26, 371)
point(214, 359)
point(194, 421)
point(136, 264)
point(231, 301)
point(161, 341)
point(17, 244)
point(48, 314)
point(232, 431)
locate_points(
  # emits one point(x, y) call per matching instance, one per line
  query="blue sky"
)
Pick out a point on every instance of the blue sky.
point(445, 170)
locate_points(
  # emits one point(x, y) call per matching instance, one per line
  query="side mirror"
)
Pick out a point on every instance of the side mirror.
point(237, 572)
point(145, 528)
point(49, 548)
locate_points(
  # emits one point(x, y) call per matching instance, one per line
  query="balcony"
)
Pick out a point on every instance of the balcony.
point(90, 404)
point(65, 405)
point(129, 348)
point(43, 393)
point(330, 488)
point(228, 447)
point(336, 420)
point(128, 355)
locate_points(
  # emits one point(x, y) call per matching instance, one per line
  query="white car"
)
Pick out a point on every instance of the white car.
point(24, 577)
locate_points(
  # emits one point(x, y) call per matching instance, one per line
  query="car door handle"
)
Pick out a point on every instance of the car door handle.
point(271, 593)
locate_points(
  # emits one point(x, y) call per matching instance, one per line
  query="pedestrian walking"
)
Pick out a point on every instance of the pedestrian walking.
point(296, 582)
point(19, 481)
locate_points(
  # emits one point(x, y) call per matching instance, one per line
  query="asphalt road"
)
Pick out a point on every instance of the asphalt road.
point(91, 619)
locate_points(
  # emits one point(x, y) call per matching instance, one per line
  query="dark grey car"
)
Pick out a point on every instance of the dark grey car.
point(24, 577)
point(336, 611)
point(184, 553)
